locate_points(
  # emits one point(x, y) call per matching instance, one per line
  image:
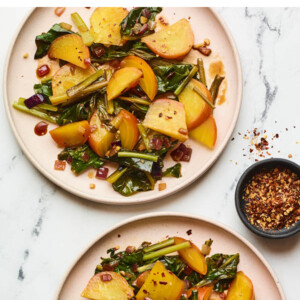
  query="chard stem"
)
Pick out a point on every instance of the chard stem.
point(166, 251)
point(144, 136)
point(197, 90)
point(145, 268)
point(159, 245)
point(116, 175)
point(214, 88)
point(146, 156)
point(135, 100)
point(201, 70)
point(186, 81)
point(76, 89)
point(34, 112)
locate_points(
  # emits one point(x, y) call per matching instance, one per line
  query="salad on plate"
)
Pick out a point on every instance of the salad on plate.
point(122, 94)
point(173, 269)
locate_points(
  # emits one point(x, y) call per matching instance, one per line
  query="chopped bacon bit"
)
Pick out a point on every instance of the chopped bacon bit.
point(59, 11)
point(59, 165)
point(106, 277)
point(42, 70)
point(162, 186)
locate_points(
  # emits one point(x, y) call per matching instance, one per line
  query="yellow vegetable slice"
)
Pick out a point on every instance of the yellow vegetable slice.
point(105, 25)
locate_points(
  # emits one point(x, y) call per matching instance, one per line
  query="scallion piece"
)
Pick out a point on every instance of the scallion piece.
point(159, 245)
point(135, 100)
point(144, 136)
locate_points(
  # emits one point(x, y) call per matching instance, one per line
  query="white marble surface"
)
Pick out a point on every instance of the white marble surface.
point(43, 228)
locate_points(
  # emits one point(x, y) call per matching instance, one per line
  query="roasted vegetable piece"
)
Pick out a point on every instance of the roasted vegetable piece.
point(174, 41)
point(71, 48)
point(161, 284)
point(129, 131)
point(142, 278)
point(122, 80)
point(105, 25)
point(203, 292)
point(241, 288)
point(192, 256)
point(71, 135)
point(100, 138)
point(67, 76)
point(168, 117)
point(108, 286)
point(206, 133)
point(197, 110)
point(44, 40)
point(148, 82)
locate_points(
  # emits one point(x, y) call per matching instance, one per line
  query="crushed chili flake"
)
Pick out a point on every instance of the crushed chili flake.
point(272, 199)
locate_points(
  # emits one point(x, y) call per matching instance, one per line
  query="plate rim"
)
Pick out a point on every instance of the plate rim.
point(195, 217)
point(126, 200)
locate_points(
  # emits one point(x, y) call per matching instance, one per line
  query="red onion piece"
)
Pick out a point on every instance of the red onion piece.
point(34, 100)
point(116, 143)
point(102, 173)
point(143, 29)
point(146, 13)
point(156, 143)
point(156, 170)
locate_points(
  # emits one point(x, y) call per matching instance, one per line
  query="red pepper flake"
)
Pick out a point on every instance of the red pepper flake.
point(59, 165)
point(189, 232)
point(272, 199)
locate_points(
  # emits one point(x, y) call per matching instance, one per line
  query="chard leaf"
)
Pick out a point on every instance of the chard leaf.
point(83, 157)
point(174, 171)
point(130, 48)
point(221, 270)
point(44, 88)
point(131, 182)
point(77, 111)
point(133, 162)
point(134, 17)
point(44, 40)
point(169, 77)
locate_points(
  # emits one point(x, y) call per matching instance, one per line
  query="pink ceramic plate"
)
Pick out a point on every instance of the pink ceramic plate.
point(154, 227)
point(42, 151)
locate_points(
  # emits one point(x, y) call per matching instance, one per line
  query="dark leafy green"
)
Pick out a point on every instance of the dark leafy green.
point(221, 270)
point(130, 48)
point(134, 17)
point(136, 163)
point(131, 182)
point(174, 171)
point(44, 40)
point(169, 77)
point(44, 88)
point(83, 157)
point(77, 111)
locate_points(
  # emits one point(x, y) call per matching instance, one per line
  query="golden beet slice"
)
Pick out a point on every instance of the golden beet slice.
point(174, 41)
